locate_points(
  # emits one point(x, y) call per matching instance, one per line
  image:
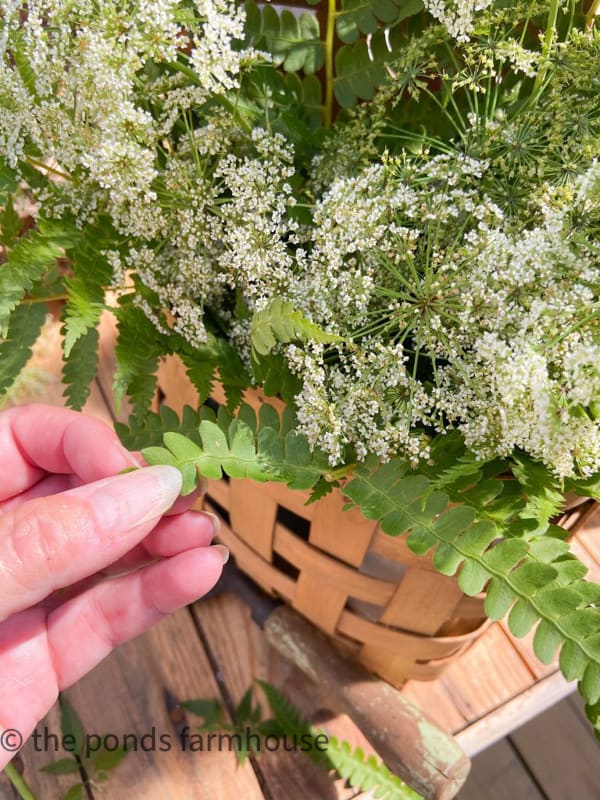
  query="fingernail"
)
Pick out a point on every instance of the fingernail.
point(125, 501)
point(216, 522)
point(135, 460)
point(224, 551)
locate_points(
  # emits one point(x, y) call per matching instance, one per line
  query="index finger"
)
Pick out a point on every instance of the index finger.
point(37, 439)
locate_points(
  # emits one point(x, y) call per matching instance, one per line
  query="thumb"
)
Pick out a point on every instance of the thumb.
point(50, 542)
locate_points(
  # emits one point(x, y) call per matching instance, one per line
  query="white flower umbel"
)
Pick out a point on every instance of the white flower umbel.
point(457, 15)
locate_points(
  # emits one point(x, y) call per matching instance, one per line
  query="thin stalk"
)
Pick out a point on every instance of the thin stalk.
point(18, 782)
point(31, 301)
point(329, 63)
point(592, 14)
point(41, 165)
point(548, 42)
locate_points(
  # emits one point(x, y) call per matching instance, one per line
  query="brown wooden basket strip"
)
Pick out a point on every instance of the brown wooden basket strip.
point(329, 570)
point(418, 590)
point(319, 601)
point(253, 514)
point(344, 534)
point(294, 501)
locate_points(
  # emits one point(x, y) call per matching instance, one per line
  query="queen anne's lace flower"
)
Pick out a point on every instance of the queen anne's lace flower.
point(457, 15)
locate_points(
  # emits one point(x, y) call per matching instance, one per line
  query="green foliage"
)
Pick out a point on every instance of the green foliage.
point(88, 758)
point(367, 774)
point(148, 431)
point(30, 257)
point(530, 574)
point(362, 773)
point(79, 369)
point(365, 17)
point(91, 273)
point(275, 377)
point(138, 349)
point(263, 449)
point(15, 348)
point(278, 322)
point(293, 41)
point(369, 35)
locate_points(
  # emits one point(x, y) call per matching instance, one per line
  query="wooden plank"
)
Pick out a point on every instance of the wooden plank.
point(524, 646)
point(499, 774)
point(125, 694)
point(516, 711)
point(486, 676)
point(242, 654)
point(433, 697)
point(563, 771)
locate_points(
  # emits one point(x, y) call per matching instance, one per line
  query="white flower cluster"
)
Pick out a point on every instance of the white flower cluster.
point(453, 313)
point(496, 313)
point(457, 15)
point(74, 84)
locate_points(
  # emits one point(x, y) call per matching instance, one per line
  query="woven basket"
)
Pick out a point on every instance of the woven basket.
point(381, 604)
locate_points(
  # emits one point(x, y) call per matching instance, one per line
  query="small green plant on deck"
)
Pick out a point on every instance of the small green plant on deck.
point(87, 768)
point(367, 774)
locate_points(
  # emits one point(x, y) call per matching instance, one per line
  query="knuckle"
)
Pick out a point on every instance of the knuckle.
point(42, 537)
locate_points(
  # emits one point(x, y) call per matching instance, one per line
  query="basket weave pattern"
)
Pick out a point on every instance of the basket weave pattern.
point(381, 604)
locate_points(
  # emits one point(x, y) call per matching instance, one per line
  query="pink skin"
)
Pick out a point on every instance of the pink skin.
point(67, 521)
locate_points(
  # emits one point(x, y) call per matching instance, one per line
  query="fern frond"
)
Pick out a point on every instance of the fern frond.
point(91, 275)
point(15, 349)
point(148, 431)
point(275, 377)
point(535, 581)
point(287, 716)
point(244, 447)
point(139, 346)
point(278, 322)
point(32, 256)
point(367, 774)
point(293, 41)
point(79, 369)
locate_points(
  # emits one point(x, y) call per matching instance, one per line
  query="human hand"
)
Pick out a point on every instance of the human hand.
point(67, 521)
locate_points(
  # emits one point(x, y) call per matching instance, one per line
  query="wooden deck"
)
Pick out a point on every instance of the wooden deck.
point(214, 650)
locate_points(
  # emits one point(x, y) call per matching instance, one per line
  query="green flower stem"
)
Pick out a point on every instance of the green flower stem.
point(18, 782)
point(548, 42)
point(41, 165)
point(592, 14)
point(329, 62)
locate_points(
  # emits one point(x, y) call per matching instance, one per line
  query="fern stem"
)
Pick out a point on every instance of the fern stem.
point(31, 301)
point(340, 472)
point(329, 62)
point(18, 782)
point(494, 572)
point(592, 14)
